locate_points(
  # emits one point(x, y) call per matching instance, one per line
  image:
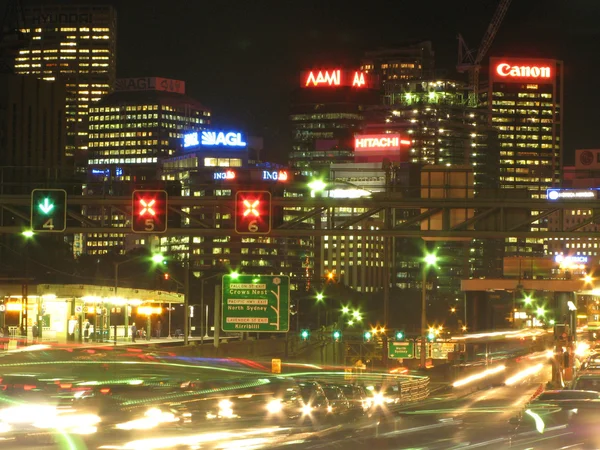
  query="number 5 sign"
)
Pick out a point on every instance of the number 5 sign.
point(149, 211)
point(253, 212)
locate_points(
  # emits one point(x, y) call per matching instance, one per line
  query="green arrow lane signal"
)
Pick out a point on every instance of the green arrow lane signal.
point(49, 210)
point(46, 207)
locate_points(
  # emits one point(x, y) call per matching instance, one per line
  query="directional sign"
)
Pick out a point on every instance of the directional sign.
point(401, 350)
point(256, 303)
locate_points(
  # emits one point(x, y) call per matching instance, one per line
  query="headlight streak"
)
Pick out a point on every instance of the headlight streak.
point(524, 374)
point(539, 423)
point(478, 376)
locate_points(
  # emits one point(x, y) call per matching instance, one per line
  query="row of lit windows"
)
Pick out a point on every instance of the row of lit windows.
point(118, 126)
point(126, 108)
point(124, 143)
point(130, 152)
point(524, 137)
point(529, 145)
point(222, 162)
point(122, 161)
point(528, 162)
point(326, 116)
point(121, 134)
point(526, 179)
point(534, 112)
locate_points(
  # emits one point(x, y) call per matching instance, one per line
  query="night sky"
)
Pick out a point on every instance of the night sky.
point(242, 58)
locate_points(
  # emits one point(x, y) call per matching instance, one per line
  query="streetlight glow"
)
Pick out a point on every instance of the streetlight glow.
point(234, 275)
point(158, 258)
point(356, 314)
point(317, 185)
point(320, 297)
point(345, 310)
point(430, 259)
point(540, 311)
point(28, 233)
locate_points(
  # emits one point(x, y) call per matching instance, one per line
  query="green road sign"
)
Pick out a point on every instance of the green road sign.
point(256, 303)
point(401, 350)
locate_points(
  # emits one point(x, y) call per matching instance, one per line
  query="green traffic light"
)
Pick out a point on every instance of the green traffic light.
point(431, 336)
point(304, 334)
point(337, 334)
point(46, 206)
point(399, 335)
point(368, 335)
point(158, 258)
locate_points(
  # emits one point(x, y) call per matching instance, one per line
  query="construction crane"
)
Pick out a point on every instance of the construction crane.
point(469, 60)
point(12, 39)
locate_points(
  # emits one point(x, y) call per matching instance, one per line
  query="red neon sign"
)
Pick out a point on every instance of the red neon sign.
point(379, 142)
point(335, 77)
point(506, 70)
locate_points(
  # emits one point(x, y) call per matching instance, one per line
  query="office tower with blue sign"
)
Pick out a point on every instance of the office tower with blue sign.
point(219, 163)
point(130, 132)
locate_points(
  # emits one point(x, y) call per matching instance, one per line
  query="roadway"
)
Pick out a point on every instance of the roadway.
point(459, 419)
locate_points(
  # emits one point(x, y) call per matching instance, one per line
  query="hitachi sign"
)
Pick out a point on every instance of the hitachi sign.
point(383, 142)
point(506, 70)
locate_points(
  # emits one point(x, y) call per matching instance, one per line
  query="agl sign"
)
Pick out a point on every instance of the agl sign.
point(213, 139)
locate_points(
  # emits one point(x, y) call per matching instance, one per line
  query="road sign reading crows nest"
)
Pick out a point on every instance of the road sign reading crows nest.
point(256, 303)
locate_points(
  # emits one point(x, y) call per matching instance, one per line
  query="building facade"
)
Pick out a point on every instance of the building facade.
point(219, 171)
point(525, 102)
point(130, 132)
point(32, 142)
point(326, 111)
point(75, 44)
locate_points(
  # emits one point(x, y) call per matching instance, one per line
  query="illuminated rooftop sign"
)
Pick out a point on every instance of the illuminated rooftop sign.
point(334, 77)
point(380, 142)
point(213, 139)
point(224, 175)
point(515, 70)
point(572, 194)
point(560, 259)
point(275, 175)
point(377, 147)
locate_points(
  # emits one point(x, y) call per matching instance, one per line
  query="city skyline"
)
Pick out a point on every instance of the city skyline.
point(255, 74)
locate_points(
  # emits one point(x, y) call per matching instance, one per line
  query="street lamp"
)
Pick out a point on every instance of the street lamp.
point(28, 233)
point(429, 260)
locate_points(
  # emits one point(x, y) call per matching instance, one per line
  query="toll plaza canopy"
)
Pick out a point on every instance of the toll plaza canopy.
point(56, 308)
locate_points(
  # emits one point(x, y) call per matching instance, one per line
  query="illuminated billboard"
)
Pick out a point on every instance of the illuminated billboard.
point(334, 78)
point(375, 147)
point(518, 70)
point(213, 139)
point(572, 194)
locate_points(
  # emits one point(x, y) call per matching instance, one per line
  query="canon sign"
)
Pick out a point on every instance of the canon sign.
point(506, 70)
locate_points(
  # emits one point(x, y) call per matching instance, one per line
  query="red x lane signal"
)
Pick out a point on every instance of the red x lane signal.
point(253, 212)
point(149, 211)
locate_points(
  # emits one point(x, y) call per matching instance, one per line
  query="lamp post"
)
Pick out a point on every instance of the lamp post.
point(203, 313)
point(429, 260)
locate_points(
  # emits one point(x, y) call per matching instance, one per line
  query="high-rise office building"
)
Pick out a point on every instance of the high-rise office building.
point(130, 132)
point(394, 65)
point(440, 129)
point(207, 168)
point(326, 112)
point(525, 105)
point(33, 133)
point(77, 45)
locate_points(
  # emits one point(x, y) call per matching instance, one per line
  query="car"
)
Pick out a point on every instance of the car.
point(357, 398)
point(338, 403)
point(587, 380)
point(566, 395)
point(315, 402)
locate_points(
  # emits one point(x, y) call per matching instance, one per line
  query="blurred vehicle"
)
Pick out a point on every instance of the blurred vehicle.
point(357, 398)
point(315, 402)
point(587, 380)
point(338, 403)
point(567, 394)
